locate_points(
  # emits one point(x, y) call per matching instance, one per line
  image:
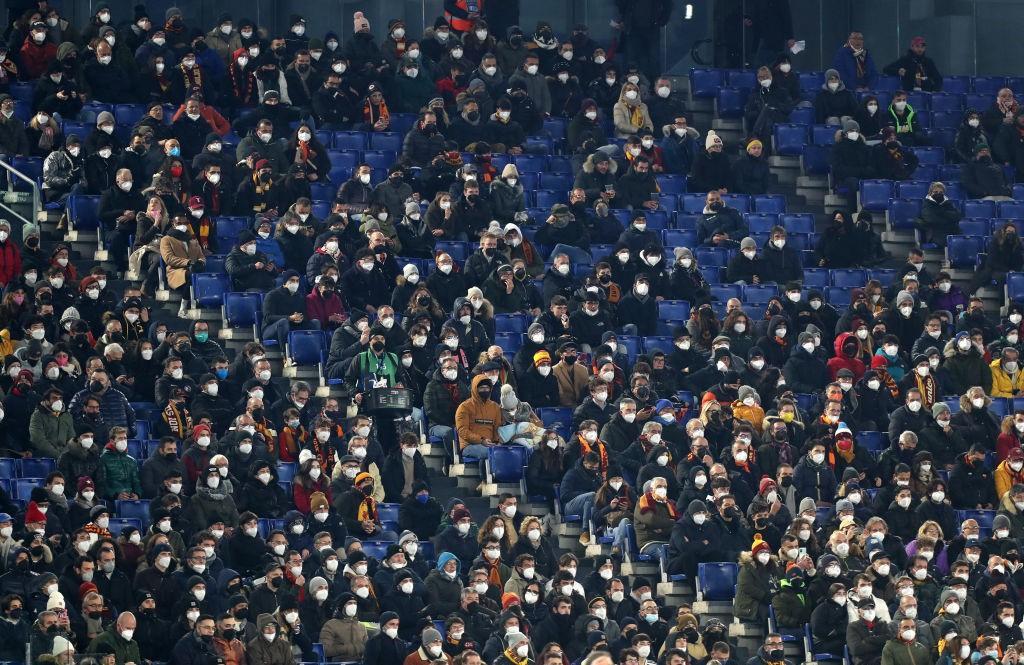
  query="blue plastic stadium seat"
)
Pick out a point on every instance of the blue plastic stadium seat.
point(717, 581)
point(510, 323)
point(824, 134)
point(552, 415)
point(930, 155)
point(838, 296)
point(911, 189)
point(307, 347)
point(729, 102)
point(36, 467)
point(547, 198)
point(119, 524)
point(984, 518)
point(759, 294)
point(760, 223)
point(209, 288)
point(987, 85)
point(83, 211)
point(1011, 210)
point(388, 512)
point(725, 291)
point(769, 203)
point(948, 120)
point(376, 548)
point(962, 251)
point(507, 464)
point(7, 467)
point(704, 83)
point(286, 471)
point(509, 342)
point(555, 181)
point(349, 141)
point(816, 278)
point(22, 487)
point(975, 227)
point(814, 160)
point(885, 276)
point(947, 102)
point(454, 248)
point(741, 202)
point(379, 160)
point(980, 208)
point(673, 310)
point(811, 81)
point(137, 509)
point(672, 184)
point(663, 343)
point(555, 127)
point(875, 194)
point(875, 442)
point(790, 139)
point(242, 310)
point(227, 230)
point(741, 78)
point(530, 163)
point(389, 141)
point(797, 222)
point(850, 277)
point(902, 213)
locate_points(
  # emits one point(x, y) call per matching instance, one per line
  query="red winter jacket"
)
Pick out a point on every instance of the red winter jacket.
point(840, 361)
point(10, 262)
point(35, 58)
point(319, 309)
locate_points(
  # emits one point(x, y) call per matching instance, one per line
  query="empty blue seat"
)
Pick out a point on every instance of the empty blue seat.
point(22, 488)
point(136, 509)
point(388, 512)
point(704, 83)
point(885, 276)
point(378, 549)
point(902, 213)
point(555, 127)
point(389, 141)
point(510, 323)
point(759, 294)
point(663, 343)
point(930, 155)
point(673, 310)
point(975, 227)
point(36, 467)
point(507, 464)
point(83, 212)
point(769, 203)
point(729, 102)
point(349, 141)
point(797, 222)
point(980, 208)
point(227, 230)
point(741, 202)
point(552, 416)
point(379, 160)
point(286, 471)
point(672, 184)
point(1011, 210)
point(946, 102)
point(874, 195)
point(547, 198)
point(956, 84)
point(851, 277)
point(811, 81)
point(725, 291)
point(838, 296)
point(530, 163)
point(814, 160)
point(242, 310)
point(947, 120)
point(824, 134)
point(717, 581)
point(119, 524)
point(790, 139)
point(208, 288)
point(962, 251)
point(555, 181)
point(7, 467)
point(987, 85)
point(760, 223)
point(509, 342)
point(679, 238)
point(875, 442)
point(306, 347)
point(816, 278)
point(712, 256)
point(911, 189)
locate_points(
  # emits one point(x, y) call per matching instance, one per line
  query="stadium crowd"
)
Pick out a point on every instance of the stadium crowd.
point(830, 451)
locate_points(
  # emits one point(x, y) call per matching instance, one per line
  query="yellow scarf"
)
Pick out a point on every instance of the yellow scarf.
point(514, 658)
point(636, 116)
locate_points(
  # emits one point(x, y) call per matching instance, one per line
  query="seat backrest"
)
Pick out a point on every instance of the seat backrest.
point(242, 309)
point(552, 416)
point(209, 288)
point(717, 580)
point(306, 347)
point(507, 462)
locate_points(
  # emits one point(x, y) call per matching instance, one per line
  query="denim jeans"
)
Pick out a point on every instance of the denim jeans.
point(582, 505)
point(575, 254)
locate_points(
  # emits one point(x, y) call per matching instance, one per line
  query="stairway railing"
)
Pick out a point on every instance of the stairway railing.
point(11, 196)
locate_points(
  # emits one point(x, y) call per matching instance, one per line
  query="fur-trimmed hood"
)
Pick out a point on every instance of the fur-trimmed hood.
point(588, 165)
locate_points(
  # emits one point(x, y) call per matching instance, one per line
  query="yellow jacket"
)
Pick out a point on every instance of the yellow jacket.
point(1005, 478)
point(1004, 384)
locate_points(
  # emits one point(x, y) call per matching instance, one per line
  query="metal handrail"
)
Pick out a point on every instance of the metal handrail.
point(36, 196)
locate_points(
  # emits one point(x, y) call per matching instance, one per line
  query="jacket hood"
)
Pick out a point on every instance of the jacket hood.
point(445, 557)
point(837, 345)
point(829, 73)
point(225, 576)
point(622, 95)
point(667, 130)
point(477, 380)
point(588, 165)
point(263, 620)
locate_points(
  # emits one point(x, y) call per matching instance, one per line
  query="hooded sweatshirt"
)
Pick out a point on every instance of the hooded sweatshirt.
point(476, 419)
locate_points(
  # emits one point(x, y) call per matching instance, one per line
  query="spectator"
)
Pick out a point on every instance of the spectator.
point(855, 65)
point(834, 105)
point(916, 70)
point(711, 169)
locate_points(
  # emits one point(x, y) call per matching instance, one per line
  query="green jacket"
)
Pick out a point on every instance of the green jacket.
point(119, 472)
point(50, 433)
point(897, 652)
point(753, 588)
point(792, 608)
point(124, 652)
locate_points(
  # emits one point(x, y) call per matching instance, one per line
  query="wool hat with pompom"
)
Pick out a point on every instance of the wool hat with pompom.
point(360, 22)
point(759, 545)
point(712, 139)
